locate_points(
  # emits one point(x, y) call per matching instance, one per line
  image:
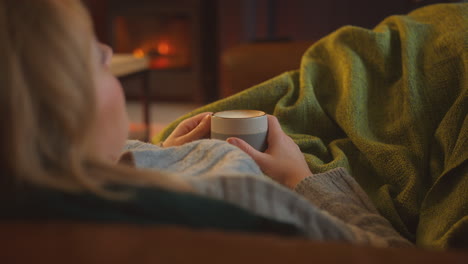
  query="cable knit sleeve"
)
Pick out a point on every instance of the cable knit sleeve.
point(341, 196)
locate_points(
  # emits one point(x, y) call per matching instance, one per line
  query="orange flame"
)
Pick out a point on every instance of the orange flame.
point(139, 53)
point(163, 48)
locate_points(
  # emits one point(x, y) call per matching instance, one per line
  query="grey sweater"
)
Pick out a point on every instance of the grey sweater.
point(326, 206)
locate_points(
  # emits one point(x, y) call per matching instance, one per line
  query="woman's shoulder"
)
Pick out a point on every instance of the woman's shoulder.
point(145, 205)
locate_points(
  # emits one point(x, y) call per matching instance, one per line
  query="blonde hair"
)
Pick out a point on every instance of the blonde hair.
point(47, 101)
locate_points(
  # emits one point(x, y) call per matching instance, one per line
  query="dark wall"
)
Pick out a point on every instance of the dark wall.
point(295, 19)
point(241, 21)
point(305, 19)
point(98, 10)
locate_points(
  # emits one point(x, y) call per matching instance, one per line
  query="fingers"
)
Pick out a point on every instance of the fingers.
point(198, 118)
point(193, 121)
point(189, 124)
point(274, 128)
point(276, 134)
point(201, 130)
point(190, 129)
point(244, 146)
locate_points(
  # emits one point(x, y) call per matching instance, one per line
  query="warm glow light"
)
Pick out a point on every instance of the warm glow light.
point(160, 63)
point(163, 48)
point(139, 53)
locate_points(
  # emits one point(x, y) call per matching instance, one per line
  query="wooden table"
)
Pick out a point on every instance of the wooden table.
point(125, 66)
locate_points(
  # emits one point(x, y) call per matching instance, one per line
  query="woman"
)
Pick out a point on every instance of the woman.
point(65, 111)
point(67, 125)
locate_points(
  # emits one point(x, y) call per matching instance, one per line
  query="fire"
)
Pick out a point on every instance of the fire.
point(139, 53)
point(163, 48)
point(162, 55)
point(160, 63)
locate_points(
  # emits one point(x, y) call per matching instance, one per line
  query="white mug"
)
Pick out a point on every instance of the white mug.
point(248, 125)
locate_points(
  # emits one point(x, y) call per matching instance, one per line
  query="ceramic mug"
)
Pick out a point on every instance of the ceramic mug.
point(248, 125)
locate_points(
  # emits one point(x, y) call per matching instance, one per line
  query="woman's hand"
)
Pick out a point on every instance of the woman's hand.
point(196, 127)
point(283, 161)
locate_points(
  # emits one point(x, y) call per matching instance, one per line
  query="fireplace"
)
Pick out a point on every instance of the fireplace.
point(165, 40)
point(179, 37)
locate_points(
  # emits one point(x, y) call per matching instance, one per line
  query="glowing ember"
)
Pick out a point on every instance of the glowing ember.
point(139, 53)
point(165, 42)
point(162, 55)
point(160, 63)
point(163, 48)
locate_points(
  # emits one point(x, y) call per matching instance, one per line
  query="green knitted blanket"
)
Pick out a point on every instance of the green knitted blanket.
point(390, 105)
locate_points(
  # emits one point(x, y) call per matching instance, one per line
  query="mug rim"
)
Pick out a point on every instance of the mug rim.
point(249, 110)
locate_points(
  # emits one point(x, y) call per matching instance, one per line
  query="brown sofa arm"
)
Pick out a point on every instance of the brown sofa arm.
point(250, 64)
point(67, 242)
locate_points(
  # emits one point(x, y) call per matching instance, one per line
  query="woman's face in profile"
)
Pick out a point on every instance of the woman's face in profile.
point(112, 120)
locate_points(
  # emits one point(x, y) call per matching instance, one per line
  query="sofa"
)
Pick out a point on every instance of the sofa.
point(248, 64)
point(85, 242)
point(387, 104)
point(81, 242)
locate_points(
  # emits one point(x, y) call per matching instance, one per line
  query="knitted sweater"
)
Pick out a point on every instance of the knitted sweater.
point(325, 206)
